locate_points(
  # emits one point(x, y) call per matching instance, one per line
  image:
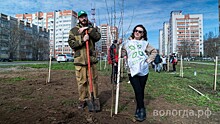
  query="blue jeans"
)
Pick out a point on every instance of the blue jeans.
point(138, 83)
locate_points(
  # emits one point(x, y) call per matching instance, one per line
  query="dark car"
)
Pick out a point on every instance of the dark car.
point(5, 60)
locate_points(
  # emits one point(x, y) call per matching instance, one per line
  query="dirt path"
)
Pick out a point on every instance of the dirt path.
point(25, 98)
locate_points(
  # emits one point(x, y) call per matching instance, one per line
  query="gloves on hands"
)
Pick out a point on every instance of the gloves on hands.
point(86, 37)
point(82, 29)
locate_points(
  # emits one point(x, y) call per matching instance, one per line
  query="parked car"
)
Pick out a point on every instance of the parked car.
point(5, 60)
point(208, 59)
point(65, 58)
point(189, 58)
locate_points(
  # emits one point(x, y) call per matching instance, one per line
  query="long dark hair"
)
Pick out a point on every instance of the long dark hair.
point(145, 32)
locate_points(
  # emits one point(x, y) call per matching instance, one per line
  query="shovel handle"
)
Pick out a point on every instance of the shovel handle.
point(89, 67)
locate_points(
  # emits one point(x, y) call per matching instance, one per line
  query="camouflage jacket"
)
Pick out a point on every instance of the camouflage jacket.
point(79, 46)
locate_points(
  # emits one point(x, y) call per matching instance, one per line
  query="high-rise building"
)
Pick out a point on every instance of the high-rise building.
point(108, 34)
point(59, 23)
point(219, 16)
point(161, 43)
point(185, 34)
point(20, 40)
point(165, 39)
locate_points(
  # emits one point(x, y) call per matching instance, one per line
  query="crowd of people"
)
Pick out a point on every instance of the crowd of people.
point(160, 63)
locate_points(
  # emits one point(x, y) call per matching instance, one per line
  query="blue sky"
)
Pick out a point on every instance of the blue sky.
point(150, 13)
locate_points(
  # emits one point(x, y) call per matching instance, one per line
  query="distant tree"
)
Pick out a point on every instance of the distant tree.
point(43, 47)
point(15, 34)
point(27, 48)
point(185, 48)
point(34, 45)
point(40, 46)
point(211, 45)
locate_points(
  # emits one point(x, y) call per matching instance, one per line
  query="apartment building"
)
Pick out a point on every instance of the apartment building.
point(164, 39)
point(161, 49)
point(219, 25)
point(219, 16)
point(59, 23)
point(20, 40)
point(184, 34)
point(108, 34)
point(166, 43)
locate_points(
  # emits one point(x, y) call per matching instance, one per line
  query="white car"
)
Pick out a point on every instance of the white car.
point(65, 58)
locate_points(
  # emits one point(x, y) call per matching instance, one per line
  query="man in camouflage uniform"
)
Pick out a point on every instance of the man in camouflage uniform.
point(77, 41)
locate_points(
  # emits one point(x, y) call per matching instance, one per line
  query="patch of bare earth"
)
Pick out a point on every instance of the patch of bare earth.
point(33, 101)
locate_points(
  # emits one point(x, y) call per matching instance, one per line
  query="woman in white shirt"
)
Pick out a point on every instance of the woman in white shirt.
point(164, 63)
point(139, 55)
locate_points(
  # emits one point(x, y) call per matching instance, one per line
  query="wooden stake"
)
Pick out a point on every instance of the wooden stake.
point(48, 80)
point(118, 79)
point(198, 91)
point(168, 63)
point(105, 62)
point(181, 66)
point(215, 78)
point(112, 104)
point(100, 61)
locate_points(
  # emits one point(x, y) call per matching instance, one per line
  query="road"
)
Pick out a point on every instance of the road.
point(204, 63)
point(14, 63)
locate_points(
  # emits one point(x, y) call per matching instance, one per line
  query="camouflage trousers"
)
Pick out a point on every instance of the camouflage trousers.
point(82, 77)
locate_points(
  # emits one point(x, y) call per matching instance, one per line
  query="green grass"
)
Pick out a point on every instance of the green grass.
point(69, 102)
point(176, 89)
point(50, 97)
point(54, 66)
point(35, 66)
point(12, 80)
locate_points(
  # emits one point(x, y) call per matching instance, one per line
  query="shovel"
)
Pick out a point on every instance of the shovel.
point(93, 103)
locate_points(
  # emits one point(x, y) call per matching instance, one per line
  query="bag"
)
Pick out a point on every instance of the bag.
point(175, 61)
point(112, 54)
point(161, 60)
point(171, 60)
point(157, 59)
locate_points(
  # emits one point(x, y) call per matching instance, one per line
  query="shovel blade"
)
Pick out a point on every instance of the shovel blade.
point(93, 105)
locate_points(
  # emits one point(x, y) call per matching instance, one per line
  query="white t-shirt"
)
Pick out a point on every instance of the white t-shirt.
point(164, 60)
point(136, 56)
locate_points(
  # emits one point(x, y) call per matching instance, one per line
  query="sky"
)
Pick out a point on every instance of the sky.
point(150, 13)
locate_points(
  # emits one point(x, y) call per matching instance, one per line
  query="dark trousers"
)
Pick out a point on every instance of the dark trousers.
point(164, 67)
point(114, 73)
point(174, 67)
point(138, 83)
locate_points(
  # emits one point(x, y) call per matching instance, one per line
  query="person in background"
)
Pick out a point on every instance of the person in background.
point(113, 59)
point(139, 55)
point(77, 41)
point(164, 63)
point(174, 62)
point(157, 62)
